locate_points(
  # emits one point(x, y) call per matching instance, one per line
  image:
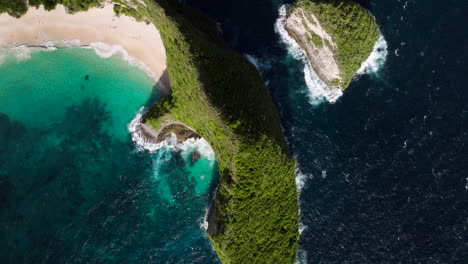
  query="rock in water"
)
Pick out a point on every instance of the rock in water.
point(336, 35)
point(195, 156)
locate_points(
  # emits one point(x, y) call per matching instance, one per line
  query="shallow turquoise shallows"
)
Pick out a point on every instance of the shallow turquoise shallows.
point(38, 92)
point(74, 188)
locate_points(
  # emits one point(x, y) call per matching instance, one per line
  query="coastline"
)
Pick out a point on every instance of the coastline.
point(182, 132)
point(98, 28)
point(318, 89)
point(248, 144)
point(301, 28)
point(145, 136)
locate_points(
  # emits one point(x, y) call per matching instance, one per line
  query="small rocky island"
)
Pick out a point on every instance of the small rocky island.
point(337, 37)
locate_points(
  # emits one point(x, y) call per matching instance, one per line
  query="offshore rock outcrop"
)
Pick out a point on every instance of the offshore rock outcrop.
point(336, 36)
point(319, 46)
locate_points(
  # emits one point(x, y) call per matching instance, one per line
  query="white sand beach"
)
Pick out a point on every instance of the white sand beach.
point(139, 40)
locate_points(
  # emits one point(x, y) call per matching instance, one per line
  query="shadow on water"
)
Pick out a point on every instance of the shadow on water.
point(385, 162)
point(72, 192)
point(10, 130)
point(157, 93)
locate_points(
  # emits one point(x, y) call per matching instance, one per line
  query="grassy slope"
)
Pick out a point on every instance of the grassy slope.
point(354, 29)
point(219, 94)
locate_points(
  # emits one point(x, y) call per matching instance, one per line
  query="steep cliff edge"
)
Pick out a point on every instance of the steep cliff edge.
point(218, 95)
point(217, 92)
point(336, 35)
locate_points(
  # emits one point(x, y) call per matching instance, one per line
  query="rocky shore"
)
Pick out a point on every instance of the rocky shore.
point(181, 131)
point(336, 36)
point(146, 134)
point(319, 46)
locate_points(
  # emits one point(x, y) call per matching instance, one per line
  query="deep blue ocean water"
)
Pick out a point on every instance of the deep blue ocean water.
point(384, 169)
point(386, 166)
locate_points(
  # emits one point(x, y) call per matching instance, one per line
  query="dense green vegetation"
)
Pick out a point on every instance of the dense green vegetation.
point(17, 8)
point(353, 28)
point(221, 95)
point(316, 40)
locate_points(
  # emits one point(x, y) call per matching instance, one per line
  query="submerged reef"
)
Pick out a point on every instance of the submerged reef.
point(218, 95)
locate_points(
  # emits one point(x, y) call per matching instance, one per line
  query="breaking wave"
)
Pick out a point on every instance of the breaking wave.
point(301, 256)
point(23, 52)
point(318, 89)
point(262, 63)
point(376, 59)
point(162, 153)
point(204, 221)
point(106, 51)
point(300, 179)
point(143, 142)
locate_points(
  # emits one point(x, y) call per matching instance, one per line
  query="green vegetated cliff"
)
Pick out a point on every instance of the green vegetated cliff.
point(17, 8)
point(353, 30)
point(254, 216)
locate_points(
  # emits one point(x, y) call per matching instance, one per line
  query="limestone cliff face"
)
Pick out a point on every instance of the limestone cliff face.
point(319, 46)
point(336, 35)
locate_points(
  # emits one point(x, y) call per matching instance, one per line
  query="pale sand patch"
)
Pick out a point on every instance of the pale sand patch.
point(140, 40)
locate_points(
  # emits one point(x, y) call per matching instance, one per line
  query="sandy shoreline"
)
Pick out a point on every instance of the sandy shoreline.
point(139, 40)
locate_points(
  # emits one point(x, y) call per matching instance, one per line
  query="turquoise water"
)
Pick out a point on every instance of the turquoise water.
point(51, 82)
point(74, 187)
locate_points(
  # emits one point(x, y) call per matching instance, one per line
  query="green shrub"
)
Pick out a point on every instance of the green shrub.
point(354, 30)
point(221, 95)
point(318, 42)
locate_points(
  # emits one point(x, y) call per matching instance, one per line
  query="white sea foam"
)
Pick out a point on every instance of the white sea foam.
point(106, 51)
point(317, 88)
point(300, 179)
point(301, 256)
point(23, 52)
point(262, 63)
point(142, 142)
point(253, 60)
point(376, 59)
point(20, 53)
point(161, 151)
point(204, 223)
point(200, 145)
point(302, 227)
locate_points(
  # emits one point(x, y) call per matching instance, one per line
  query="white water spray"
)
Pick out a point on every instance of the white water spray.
point(317, 88)
point(376, 59)
point(23, 52)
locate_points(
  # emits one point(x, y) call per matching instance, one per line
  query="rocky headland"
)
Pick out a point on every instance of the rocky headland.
point(337, 37)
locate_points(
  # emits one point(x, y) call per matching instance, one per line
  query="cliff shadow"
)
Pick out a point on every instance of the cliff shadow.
point(160, 90)
point(232, 84)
